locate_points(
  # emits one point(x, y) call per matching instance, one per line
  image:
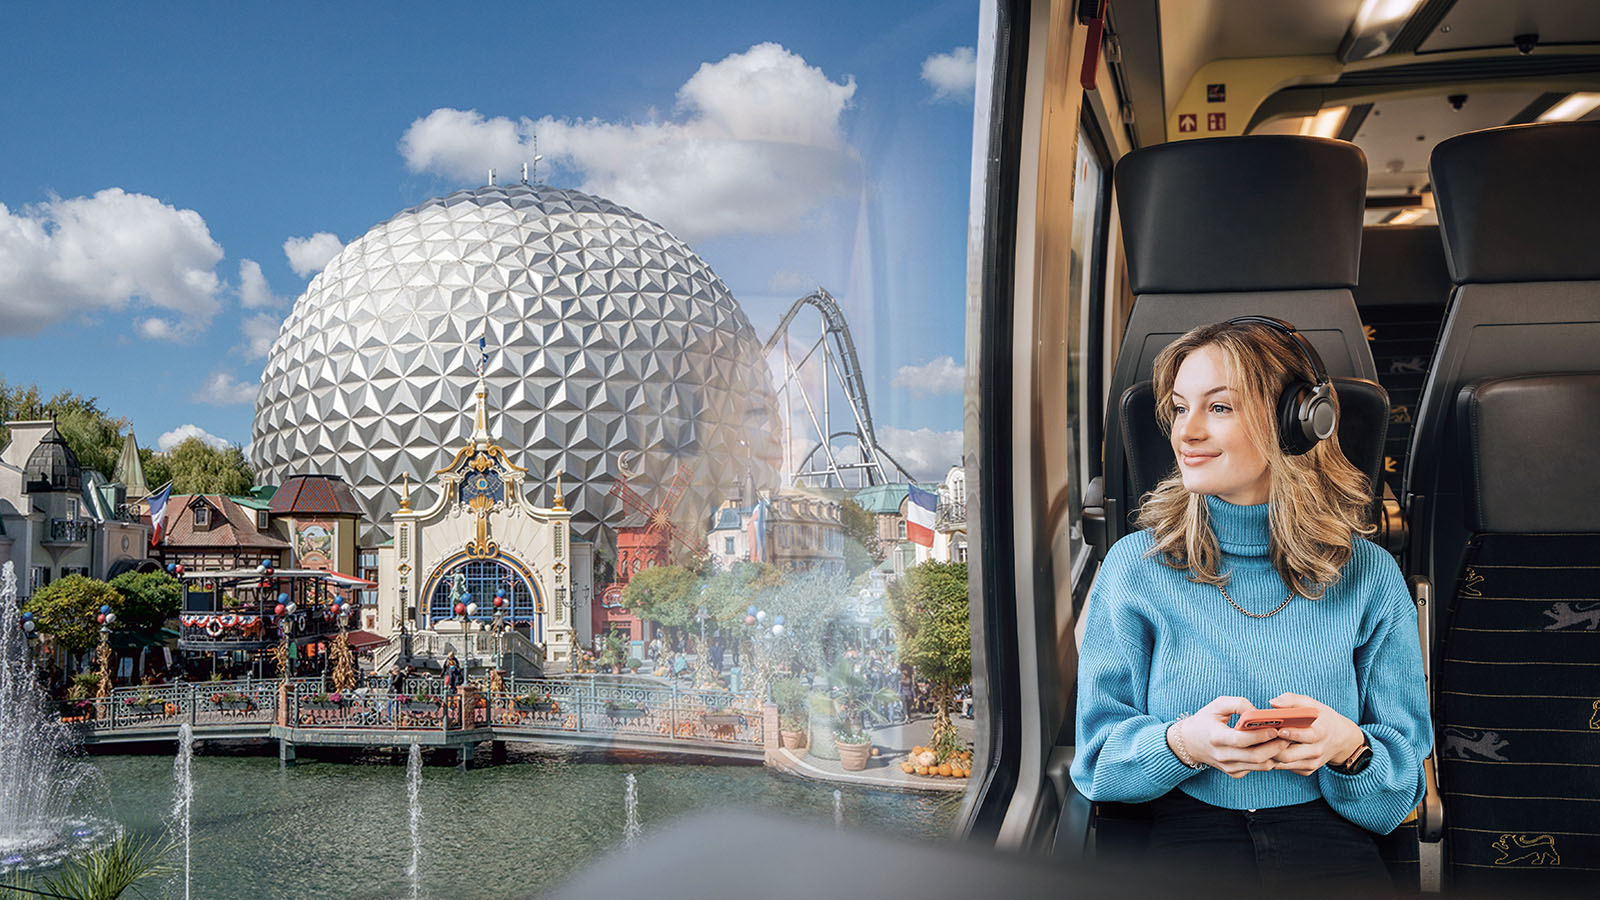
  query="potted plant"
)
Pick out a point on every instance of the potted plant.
point(533, 702)
point(626, 709)
point(726, 717)
point(332, 700)
point(789, 695)
point(854, 700)
point(232, 701)
point(80, 710)
point(145, 705)
point(420, 704)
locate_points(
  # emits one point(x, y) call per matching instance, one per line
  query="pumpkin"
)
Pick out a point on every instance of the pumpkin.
point(921, 770)
point(907, 768)
point(944, 769)
point(874, 751)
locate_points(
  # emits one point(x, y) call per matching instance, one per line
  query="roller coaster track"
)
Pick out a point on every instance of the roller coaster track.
point(824, 465)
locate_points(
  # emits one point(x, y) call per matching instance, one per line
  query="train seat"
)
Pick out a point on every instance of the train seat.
point(1518, 708)
point(1223, 227)
point(1504, 505)
point(1401, 295)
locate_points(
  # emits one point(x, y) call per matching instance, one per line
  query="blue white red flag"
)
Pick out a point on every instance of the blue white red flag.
point(158, 513)
point(920, 507)
point(483, 358)
point(756, 532)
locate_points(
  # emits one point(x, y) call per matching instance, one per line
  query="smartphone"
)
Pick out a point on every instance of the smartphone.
point(1288, 717)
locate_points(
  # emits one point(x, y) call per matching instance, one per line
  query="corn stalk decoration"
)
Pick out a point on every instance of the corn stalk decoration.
point(344, 667)
point(280, 657)
point(104, 655)
point(497, 682)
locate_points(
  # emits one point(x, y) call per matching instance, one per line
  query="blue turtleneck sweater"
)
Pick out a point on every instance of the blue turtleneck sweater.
point(1157, 645)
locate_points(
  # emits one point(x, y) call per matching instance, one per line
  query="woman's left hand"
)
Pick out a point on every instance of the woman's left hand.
point(1331, 738)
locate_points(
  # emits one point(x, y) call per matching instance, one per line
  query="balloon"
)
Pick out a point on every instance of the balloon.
point(500, 593)
point(111, 618)
point(334, 609)
point(283, 598)
point(27, 625)
point(750, 610)
point(180, 568)
point(500, 600)
point(101, 618)
point(777, 630)
point(749, 620)
point(279, 610)
point(777, 619)
point(105, 608)
point(461, 609)
point(292, 607)
point(172, 568)
point(472, 609)
point(761, 615)
point(26, 616)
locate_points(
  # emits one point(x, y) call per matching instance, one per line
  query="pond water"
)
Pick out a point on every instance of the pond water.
point(326, 828)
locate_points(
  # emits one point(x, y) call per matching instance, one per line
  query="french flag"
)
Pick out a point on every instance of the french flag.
point(158, 513)
point(757, 532)
point(920, 506)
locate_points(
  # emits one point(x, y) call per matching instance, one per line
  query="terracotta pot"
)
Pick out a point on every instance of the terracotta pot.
point(853, 757)
point(792, 739)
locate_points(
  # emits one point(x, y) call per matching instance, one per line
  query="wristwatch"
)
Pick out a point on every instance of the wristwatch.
point(1358, 761)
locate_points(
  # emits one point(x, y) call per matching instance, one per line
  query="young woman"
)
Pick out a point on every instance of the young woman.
point(1250, 586)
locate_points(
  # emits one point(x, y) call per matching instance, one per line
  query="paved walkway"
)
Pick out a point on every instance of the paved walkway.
point(893, 743)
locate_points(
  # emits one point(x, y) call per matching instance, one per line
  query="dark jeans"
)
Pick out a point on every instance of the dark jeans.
point(1306, 845)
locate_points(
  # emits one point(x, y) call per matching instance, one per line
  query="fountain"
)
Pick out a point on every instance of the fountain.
point(183, 801)
point(37, 782)
point(630, 830)
point(838, 810)
point(414, 797)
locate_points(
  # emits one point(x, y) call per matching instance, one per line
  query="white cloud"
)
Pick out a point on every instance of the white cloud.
point(80, 255)
point(928, 454)
point(183, 432)
point(953, 76)
point(259, 333)
point(222, 389)
point(756, 147)
point(158, 329)
point(254, 292)
point(307, 255)
point(939, 376)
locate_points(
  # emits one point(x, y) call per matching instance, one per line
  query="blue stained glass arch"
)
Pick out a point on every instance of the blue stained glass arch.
point(483, 578)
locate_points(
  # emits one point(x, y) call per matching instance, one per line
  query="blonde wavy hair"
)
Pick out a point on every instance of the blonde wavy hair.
point(1319, 501)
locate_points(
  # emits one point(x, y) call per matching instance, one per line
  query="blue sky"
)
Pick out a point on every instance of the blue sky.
point(153, 166)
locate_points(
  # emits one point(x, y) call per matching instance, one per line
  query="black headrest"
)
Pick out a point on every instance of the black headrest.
point(1531, 442)
point(1518, 203)
point(1257, 213)
point(1402, 265)
point(1363, 426)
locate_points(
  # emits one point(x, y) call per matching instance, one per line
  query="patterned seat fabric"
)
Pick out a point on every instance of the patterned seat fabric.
point(1518, 704)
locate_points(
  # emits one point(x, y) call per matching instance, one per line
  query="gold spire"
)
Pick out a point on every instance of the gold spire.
point(561, 499)
point(405, 491)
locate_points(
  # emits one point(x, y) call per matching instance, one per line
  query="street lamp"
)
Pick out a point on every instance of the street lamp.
point(106, 618)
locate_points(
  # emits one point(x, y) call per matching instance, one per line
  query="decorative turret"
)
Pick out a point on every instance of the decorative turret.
point(52, 466)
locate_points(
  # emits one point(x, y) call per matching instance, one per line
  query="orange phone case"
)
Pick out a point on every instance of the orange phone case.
point(1288, 717)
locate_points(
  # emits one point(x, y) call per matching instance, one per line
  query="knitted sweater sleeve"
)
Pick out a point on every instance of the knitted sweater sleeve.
point(1122, 753)
point(1394, 712)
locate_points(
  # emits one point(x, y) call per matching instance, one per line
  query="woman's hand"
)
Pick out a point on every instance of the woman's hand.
point(1209, 740)
point(1332, 738)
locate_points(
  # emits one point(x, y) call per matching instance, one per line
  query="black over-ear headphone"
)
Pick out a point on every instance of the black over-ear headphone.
point(1306, 412)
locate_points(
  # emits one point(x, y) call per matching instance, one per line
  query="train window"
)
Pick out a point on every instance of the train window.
point(1086, 303)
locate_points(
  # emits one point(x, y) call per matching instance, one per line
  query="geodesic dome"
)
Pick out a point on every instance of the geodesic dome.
point(610, 343)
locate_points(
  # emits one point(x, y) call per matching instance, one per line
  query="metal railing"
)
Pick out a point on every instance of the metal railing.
point(70, 531)
point(312, 706)
point(243, 702)
point(595, 707)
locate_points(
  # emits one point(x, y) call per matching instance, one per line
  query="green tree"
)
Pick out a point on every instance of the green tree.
point(65, 609)
point(666, 595)
point(195, 467)
point(811, 604)
point(149, 599)
point(862, 549)
point(934, 633)
point(94, 435)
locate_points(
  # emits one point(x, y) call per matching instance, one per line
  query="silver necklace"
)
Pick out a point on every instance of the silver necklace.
point(1248, 612)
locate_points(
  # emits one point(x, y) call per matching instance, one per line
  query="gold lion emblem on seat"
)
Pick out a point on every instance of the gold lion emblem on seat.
point(1538, 850)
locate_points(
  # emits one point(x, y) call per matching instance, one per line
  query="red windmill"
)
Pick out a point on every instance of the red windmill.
point(658, 518)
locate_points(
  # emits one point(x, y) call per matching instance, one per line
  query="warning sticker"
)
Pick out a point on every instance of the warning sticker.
point(1188, 122)
point(1216, 93)
point(1216, 121)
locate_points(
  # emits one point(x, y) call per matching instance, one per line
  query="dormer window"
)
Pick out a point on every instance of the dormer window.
point(202, 516)
point(261, 520)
